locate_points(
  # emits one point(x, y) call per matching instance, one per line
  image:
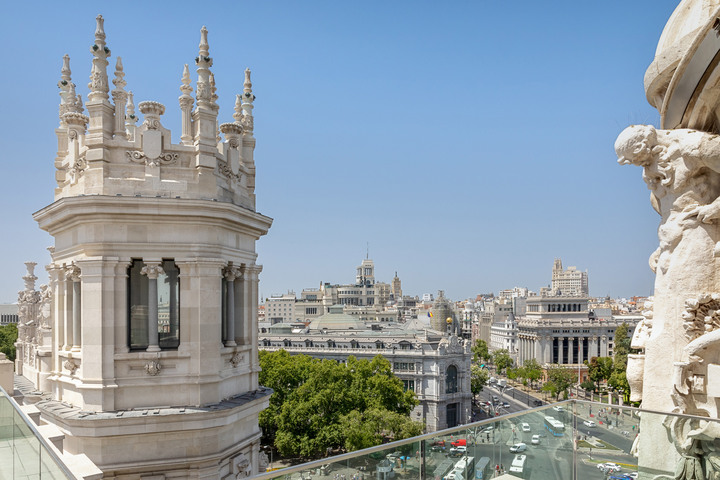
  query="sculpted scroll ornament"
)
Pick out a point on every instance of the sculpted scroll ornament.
point(138, 156)
point(70, 365)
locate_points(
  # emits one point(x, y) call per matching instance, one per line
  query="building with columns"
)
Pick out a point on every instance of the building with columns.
point(562, 330)
point(143, 345)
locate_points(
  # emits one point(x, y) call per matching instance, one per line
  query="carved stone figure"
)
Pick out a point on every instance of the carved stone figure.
point(678, 367)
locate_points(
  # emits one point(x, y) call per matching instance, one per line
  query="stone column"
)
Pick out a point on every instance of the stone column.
point(73, 338)
point(230, 273)
point(571, 347)
point(153, 270)
point(561, 341)
point(581, 349)
point(603, 346)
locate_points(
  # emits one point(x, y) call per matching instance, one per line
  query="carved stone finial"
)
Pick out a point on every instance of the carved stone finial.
point(130, 118)
point(186, 88)
point(30, 278)
point(119, 81)
point(213, 89)
point(98, 74)
point(204, 46)
point(247, 105)
point(67, 96)
point(238, 109)
point(100, 28)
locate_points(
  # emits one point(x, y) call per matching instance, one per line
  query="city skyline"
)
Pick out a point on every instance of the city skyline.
point(470, 146)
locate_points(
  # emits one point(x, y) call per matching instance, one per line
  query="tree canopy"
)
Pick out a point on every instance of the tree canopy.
point(502, 359)
point(321, 404)
point(559, 380)
point(8, 337)
point(480, 351)
point(478, 379)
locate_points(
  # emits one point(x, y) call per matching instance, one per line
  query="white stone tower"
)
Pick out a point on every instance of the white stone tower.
point(153, 281)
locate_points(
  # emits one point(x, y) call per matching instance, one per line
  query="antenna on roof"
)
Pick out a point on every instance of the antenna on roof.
point(367, 251)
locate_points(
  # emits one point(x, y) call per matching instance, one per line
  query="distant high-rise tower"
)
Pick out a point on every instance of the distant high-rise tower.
point(396, 287)
point(570, 282)
point(365, 273)
point(148, 346)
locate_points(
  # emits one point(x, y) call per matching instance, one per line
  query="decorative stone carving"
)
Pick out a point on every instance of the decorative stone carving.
point(236, 359)
point(70, 365)
point(243, 468)
point(152, 367)
point(162, 159)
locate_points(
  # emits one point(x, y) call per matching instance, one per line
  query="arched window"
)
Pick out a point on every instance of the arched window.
point(451, 379)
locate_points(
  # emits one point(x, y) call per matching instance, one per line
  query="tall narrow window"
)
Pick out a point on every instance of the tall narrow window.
point(451, 385)
point(165, 305)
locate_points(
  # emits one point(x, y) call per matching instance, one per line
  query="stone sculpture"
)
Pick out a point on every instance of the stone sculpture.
point(678, 365)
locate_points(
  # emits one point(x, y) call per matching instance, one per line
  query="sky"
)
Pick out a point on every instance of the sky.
point(464, 145)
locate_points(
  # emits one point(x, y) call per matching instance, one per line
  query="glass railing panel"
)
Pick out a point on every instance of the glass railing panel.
point(23, 452)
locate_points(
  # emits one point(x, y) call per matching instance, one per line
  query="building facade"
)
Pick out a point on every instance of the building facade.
point(436, 367)
point(150, 314)
point(570, 282)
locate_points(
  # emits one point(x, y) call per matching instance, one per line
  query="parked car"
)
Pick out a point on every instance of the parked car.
point(609, 467)
point(589, 423)
point(495, 399)
point(518, 447)
point(537, 403)
point(558, 408)
point(506, 405)
point(535, 440)
point(525, 427)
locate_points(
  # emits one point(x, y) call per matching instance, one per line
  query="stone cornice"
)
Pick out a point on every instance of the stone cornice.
point(70, 212)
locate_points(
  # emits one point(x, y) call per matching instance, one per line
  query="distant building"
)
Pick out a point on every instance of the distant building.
point(8, 313)
point(280, 308)
point(570, 282)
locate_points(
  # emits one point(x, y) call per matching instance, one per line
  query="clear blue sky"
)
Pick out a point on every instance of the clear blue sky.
point(469, 143)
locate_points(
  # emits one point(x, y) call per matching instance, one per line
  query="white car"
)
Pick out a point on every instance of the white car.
point(589, 423)
point(462, 449)
point(525, 427)
point(518, 447)
point(609, 467)
point(535, 440)
point(558, 408)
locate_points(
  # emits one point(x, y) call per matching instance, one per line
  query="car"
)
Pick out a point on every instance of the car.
point(535, 440)
point(458, 451)
point(537, 403)
point(518, 447)
point(589, 423)
point(437, 448)
point(488, 429)
point(506, 405)
point(609, 467)
point(492, 380)
point(525, 427)
point(558, 408)
point(495, 399)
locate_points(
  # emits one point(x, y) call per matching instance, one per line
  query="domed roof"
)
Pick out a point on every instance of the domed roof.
point(336, 319)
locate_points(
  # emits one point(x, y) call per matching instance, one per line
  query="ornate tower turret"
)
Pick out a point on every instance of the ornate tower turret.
point(154, 281)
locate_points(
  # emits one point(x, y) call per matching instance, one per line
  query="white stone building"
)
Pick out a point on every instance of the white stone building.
point(562, 330)
point(570, 282)
point(280, 308)
point(435, 366)
point(144, 342)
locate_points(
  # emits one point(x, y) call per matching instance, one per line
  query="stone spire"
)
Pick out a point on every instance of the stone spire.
point(247, 105)
point(130, 117)
point(120, 97)
point(205, 115)
point(186, 103)
point(238, 115)
point(98, 75)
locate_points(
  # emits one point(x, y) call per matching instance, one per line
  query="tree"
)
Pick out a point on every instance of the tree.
point(558, 381)
point(324, 404)
point(618, 379)
point(478, 379)
point(532, 370)
point(8, 337)
point(502, 359)
point(480, 351)
point(600, 369)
